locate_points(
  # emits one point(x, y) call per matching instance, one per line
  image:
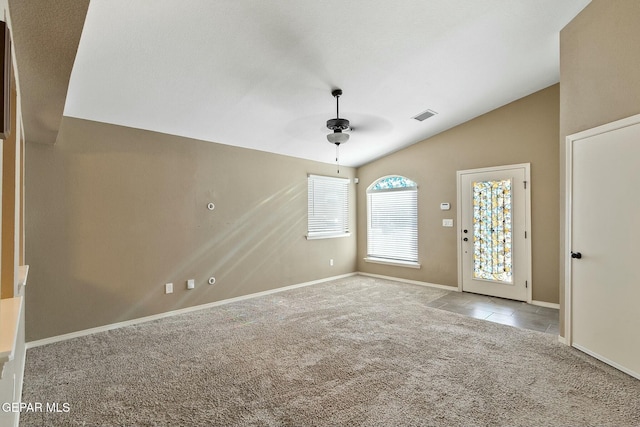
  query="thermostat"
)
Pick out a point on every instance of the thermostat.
point(445, 206)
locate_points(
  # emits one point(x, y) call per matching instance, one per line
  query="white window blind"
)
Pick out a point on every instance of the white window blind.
point(328, 207)
point(392, 223)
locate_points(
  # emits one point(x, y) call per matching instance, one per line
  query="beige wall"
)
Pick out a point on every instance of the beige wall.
point(114, 213)
point(599, 76)
point(521, 132)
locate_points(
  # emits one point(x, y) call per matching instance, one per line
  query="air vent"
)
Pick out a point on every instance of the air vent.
point(425, 115)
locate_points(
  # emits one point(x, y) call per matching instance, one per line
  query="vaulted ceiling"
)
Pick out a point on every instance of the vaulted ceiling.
point(259, 74)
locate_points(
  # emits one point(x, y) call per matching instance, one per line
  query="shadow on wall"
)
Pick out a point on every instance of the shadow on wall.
point(271, 226)
point(191, 242)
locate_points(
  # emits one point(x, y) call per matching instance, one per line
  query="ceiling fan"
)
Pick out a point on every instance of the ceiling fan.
point(337, 125)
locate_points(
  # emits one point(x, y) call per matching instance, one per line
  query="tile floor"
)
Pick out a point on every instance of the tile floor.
point(507, 312)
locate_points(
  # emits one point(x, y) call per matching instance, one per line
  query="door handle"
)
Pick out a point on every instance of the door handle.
point(576, 255)
point(465, 239)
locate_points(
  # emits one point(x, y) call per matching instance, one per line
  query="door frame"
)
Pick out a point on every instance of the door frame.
point(570, 141)
point(527, 201)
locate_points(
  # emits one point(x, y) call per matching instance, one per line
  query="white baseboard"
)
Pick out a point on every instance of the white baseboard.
point(158, 316)
point(412, 282)
point(562, 340)
point(84, 332)
point(608, 361)
point(546, 304)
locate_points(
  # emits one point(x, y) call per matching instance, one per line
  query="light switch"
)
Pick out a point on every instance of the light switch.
point(447, 223)
point(191, 284)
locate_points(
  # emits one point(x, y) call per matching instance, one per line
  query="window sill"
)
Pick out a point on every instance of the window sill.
point(396, 263)
point(326, 236)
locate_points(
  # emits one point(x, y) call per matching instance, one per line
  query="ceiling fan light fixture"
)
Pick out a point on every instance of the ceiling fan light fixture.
point(337, 137)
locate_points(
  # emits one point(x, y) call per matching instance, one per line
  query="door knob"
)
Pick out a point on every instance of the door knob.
point(465, 231)
point(465, 239)
point(576, 255)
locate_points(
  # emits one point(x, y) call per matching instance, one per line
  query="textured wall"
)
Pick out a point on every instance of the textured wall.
point(45, 36)
point(525, 131)
point(599, 77)
point(114, 213)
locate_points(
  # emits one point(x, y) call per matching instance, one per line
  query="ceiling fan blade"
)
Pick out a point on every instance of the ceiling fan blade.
point(366, 123)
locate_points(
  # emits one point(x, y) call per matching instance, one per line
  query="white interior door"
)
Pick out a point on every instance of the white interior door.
point(603, 231)
point(494, 249)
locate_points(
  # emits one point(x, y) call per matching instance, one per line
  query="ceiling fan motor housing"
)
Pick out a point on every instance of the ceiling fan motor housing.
point(338, 124)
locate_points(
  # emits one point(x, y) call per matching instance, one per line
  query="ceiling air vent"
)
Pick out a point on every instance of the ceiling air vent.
point(425, 115)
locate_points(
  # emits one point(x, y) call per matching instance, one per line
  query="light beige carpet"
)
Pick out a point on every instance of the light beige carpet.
point(357, 351)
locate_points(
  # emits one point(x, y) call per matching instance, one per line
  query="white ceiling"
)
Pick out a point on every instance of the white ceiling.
point(259, 74)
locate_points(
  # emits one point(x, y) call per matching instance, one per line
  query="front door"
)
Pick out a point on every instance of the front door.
point(603, 231)
point(494, 249)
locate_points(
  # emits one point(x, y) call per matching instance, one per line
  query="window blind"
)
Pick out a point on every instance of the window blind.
point(328, 207)
point(392, 225)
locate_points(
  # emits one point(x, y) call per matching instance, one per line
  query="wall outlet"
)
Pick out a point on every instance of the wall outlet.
point(191, 284)
point(331, 262)
point(447, 223)
point(168, 288)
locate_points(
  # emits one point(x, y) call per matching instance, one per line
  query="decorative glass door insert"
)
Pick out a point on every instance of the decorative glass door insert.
point(492, 231)
point(494, 248)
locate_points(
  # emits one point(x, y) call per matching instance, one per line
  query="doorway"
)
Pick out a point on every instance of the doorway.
point(602, 279)
point(494, 245)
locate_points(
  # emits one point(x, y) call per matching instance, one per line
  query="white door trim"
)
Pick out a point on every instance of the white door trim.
point(527, 174)
point(568, 186)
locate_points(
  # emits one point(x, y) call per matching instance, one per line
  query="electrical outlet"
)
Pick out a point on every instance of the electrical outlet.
point(191, 284)
point(331, 262)
point(168, 288)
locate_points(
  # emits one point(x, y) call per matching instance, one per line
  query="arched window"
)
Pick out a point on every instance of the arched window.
point(392, 221)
